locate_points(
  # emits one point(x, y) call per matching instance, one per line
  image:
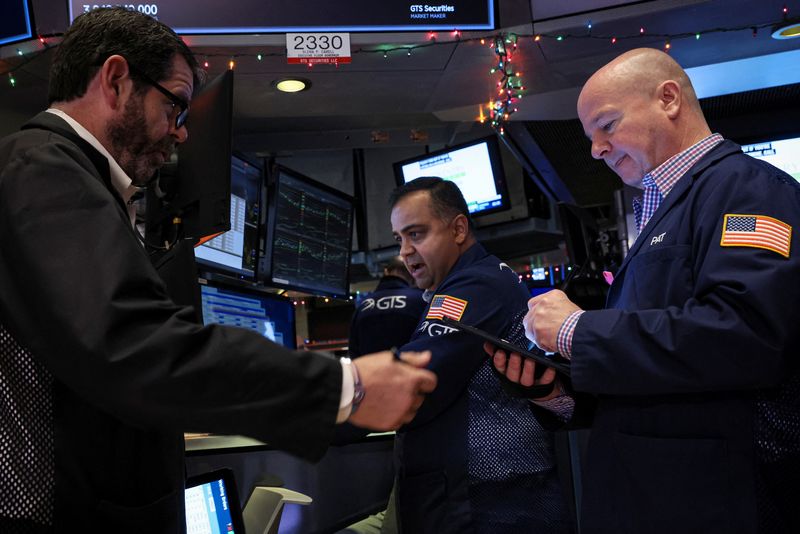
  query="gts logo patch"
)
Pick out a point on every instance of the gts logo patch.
point(394, 302)
point(435, 329)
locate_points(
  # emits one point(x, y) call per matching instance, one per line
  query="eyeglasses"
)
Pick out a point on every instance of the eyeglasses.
point(177, 102)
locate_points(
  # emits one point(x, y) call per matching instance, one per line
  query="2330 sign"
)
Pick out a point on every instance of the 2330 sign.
point(318, 47)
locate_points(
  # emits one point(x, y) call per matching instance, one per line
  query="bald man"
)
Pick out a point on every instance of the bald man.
point(693, 366)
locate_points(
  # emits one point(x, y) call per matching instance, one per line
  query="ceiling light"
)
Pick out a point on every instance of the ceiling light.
point(292, 85)
point(787, 30)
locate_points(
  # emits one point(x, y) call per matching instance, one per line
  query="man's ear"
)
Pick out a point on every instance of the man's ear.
point(671, 97)
point(460, 228)
point(115, 81)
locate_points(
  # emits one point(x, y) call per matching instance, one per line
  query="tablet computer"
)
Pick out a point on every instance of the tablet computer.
point(212, 503)
point(536, 354)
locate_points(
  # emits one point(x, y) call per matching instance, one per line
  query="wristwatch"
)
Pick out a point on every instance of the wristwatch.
point(358, 387)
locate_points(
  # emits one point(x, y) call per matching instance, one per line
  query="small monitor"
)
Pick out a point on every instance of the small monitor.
point(783, 153)
point(15, 24)
point(580, 234)
point(475, 167)
point(212, 504)
point(249, 307)
point(197, 191)
point(309, 235)
point(234, 252)
point(539, 274)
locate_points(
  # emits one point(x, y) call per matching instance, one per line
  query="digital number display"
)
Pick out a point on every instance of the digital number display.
point(147, 9)
point(317, 42)
point(287, 16)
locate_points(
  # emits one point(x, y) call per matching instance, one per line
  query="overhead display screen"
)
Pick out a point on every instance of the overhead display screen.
point(283, 16)
point(784, 154)
point(15, 22)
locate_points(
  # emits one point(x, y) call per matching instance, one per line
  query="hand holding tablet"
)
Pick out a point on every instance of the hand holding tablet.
point(536, 354)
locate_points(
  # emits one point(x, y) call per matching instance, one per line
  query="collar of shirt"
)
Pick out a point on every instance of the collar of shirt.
point(121, 181)
point(474, 253)
point(660, 181)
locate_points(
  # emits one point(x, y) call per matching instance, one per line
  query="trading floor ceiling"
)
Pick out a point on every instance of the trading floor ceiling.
point(438, 89)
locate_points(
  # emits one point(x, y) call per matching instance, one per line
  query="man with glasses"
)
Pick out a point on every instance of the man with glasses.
point(100, 373)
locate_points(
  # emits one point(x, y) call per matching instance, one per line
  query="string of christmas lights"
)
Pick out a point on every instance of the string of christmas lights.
point(509, 86)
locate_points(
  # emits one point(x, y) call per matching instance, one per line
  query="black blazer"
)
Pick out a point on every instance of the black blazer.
point(123, 369)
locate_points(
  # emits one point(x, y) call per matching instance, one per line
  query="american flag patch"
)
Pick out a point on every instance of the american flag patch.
point(446, 306)
point(756, 231)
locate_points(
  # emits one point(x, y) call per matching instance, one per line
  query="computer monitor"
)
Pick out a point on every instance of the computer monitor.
point(250, 307)
point(783, 153)
point(475, 167)
point(309, 235)
point(212, 504)
point(581, 234)
point(234, 252)
point(16, 23)
point(197, 191)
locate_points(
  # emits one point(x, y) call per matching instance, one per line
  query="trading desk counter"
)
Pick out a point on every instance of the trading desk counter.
point(350, 481)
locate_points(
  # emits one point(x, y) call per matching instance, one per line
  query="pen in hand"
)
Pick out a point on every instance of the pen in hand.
point(573, 274)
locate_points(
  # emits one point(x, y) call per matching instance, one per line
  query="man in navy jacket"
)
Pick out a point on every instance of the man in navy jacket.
point(694, 363)
point(474, 459)
point(388, 316)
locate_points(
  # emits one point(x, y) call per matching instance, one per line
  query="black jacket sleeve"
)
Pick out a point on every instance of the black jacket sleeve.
point(78, 291)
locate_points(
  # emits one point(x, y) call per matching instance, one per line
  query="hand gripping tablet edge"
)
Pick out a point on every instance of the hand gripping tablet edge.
point(555, 361)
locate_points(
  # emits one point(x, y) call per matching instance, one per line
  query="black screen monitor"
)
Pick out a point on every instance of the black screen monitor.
point(309, 234)
point(580, 234)
point(281, 16)
point(782, 153)
point(234, 251)
point(249, 307)
point(475, 167)
point(198, 189)
point(15, 22)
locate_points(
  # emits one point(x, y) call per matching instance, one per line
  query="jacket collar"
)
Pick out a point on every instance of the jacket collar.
point(53, 123)
point(681, 188)
point(473, 254)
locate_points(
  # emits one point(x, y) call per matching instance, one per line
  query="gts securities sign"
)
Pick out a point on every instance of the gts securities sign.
point(287, 16)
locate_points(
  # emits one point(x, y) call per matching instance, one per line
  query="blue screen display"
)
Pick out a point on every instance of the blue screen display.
point(207, 509)
point(272, 317)
point(536, 291)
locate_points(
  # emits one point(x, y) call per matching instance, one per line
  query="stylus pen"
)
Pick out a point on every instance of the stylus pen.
point(572, 274)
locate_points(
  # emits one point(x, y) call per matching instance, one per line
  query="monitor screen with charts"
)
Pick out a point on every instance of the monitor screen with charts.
point(309, 234)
